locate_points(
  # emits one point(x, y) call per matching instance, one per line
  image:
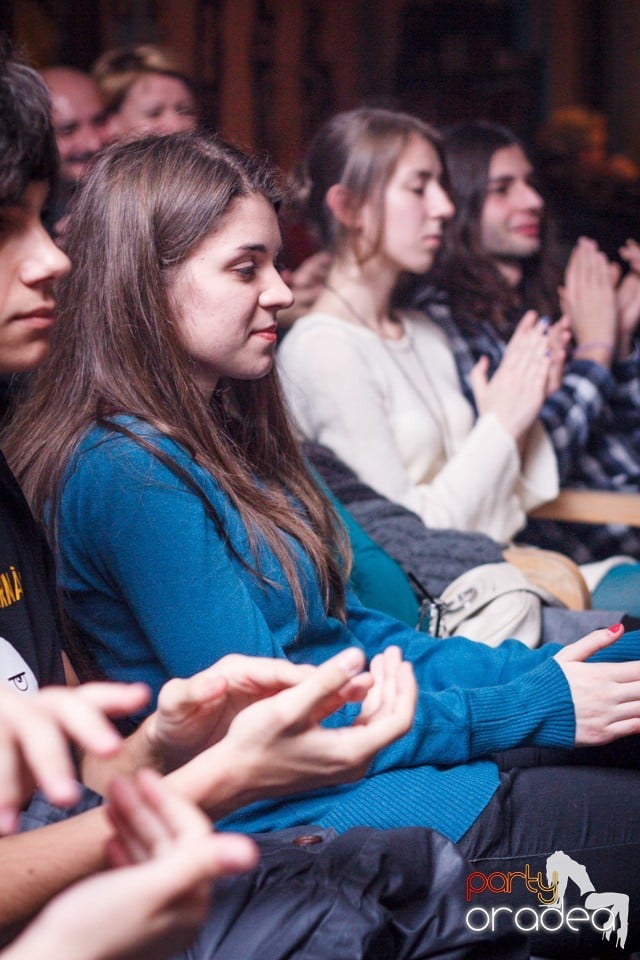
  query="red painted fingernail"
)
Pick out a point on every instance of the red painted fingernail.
point(615, 627)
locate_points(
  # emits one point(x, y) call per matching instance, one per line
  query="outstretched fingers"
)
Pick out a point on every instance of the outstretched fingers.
point(332, 684)
point(34, 743)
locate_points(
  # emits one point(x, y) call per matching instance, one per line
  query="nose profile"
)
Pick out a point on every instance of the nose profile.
point(440, 203)
point(277, 295)
point(46, 261)
point(530, 197)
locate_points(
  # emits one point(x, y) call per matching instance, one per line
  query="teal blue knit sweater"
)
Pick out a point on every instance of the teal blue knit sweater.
point(157, 590)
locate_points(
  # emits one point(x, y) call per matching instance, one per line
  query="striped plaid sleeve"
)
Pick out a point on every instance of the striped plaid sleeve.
point(573, 412)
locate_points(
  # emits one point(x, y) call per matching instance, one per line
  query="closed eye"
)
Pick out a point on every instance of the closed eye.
point(246, 270)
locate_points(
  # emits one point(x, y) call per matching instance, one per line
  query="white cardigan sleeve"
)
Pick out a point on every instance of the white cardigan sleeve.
point(338, 390)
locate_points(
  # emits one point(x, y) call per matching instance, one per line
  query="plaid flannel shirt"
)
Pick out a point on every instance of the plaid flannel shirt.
point(593, 422)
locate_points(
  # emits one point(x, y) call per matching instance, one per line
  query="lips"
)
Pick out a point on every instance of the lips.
point(528, 229)
point(270, 334)
point(43, 316)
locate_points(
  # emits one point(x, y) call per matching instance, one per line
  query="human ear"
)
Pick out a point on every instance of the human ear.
point(340, 203)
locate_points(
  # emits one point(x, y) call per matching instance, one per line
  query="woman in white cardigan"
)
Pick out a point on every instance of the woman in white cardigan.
point(380, 387)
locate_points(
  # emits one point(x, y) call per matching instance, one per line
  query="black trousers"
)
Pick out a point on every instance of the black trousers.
point(584, 803)
point(361, 895)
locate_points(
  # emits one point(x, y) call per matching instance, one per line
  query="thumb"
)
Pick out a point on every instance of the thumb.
point(479, 376)
point(581, 650)
point(191, 861)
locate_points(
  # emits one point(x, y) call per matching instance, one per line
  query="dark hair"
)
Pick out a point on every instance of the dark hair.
point(145, 207)
point(27, 142)
point(476, 288)
point(358, 149)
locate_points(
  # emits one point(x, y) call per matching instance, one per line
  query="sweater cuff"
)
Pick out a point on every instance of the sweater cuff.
point(624, 649)
point(536, 709)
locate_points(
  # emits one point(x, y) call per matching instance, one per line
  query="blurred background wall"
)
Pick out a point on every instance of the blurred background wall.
point(268, 71)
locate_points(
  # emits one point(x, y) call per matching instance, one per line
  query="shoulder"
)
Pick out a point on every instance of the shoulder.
point(321, 347)
point(321, 328)
point(126, 453)
point(125, 439)
point(424, 331)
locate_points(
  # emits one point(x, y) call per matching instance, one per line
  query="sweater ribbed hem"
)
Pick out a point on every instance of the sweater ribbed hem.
point(447, 799)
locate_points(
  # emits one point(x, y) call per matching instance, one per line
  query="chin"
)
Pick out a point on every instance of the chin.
point(525, 247)
point(23, 361)
point(257, 373)
point(422, 265)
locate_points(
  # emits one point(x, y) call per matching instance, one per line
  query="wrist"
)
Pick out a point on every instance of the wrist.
point(154, 752)
point(218, 781)
point(599, 351)
point(50, 935)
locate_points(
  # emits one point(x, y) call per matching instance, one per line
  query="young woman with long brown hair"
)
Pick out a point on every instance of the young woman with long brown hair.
point(187, 526)
point(379, 385)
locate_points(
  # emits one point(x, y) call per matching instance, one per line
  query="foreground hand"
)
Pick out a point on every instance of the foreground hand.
point(287, 729)
point(279, 745)
point(518, 388)
point(34, 735)
point(606, 696)
point(194, 714)
point(151, 908)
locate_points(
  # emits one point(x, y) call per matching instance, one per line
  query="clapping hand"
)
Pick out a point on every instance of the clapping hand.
point(35, 732)
point(152, 905)
point(195, 713)
point(518, 388)
point(279, 745)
